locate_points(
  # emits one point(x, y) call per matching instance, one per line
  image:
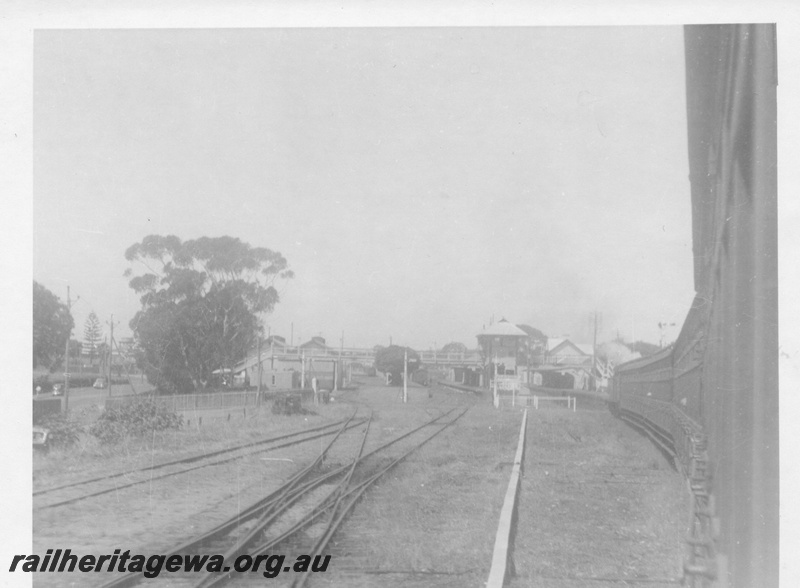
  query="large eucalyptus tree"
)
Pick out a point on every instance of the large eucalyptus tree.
point(201, 301)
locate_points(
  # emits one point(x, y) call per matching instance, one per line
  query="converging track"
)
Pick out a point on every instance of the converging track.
point(76, 491)
point(320, 495)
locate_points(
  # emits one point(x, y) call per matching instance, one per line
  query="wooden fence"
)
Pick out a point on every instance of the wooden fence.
point(184, 402)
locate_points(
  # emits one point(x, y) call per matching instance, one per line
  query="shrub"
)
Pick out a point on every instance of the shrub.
point(133, 420)
point(63, 430)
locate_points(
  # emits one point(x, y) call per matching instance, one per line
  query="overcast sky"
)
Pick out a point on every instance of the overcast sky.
point(419, 181)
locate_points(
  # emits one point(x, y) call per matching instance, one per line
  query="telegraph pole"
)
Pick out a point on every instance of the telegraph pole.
point(662, 328)
point(125, 367)
point(594, 346)
point(66, 357)
point(260, 374)
point(302, 370)
point(405, 376)
point(66, 354)
point(495, 398)
point(340, 366)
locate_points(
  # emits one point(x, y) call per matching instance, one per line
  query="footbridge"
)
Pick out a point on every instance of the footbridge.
point(364, 356)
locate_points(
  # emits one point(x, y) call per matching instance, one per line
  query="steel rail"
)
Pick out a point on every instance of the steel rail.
point(299, 581)
point(662, 441)
point(190, 459)
point(326, 503)
point(293, 486)
point(233, 522)
point(210, 579)
point(185, 470)
point(310, 485)
point(282, 504)
point(323, 506)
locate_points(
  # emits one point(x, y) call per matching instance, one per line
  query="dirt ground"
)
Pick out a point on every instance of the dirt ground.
point(432, 522)
point(148, 518)
point(598, 502)
point(599, 506)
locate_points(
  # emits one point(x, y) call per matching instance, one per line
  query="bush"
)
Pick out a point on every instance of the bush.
point(63, 431)
point(391, 359)
point(133, 420)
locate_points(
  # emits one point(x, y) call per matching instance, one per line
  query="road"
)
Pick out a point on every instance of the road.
point(85, 397)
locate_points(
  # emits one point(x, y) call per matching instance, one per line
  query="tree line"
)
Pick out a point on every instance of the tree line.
point(202, 301)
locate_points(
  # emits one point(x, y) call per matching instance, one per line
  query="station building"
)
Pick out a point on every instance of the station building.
point(501, 344)
point(565, 364)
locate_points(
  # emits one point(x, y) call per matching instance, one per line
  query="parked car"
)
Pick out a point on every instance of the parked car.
point(40, 436)
point(58, 389)
point(100, 383)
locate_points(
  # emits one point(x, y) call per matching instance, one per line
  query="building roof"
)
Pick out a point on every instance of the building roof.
point(555, 342)
point(317, 342)
point(503, 329)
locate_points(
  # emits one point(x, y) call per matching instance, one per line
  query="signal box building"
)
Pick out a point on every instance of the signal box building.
point(501, 343)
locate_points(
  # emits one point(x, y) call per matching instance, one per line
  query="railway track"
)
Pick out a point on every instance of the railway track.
point(302, 514)
point(100, 485)
point(662, 440)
